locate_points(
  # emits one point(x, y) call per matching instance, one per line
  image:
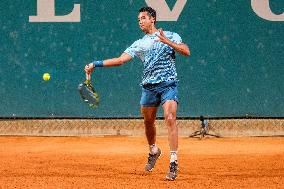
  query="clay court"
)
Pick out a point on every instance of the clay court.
point(118, 162)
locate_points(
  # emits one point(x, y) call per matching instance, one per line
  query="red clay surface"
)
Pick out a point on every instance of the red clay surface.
point(118, 162)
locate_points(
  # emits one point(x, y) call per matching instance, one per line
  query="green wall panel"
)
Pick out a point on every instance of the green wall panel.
point(235, 68)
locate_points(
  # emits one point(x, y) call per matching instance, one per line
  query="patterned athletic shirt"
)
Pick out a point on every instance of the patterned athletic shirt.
point(158, 58)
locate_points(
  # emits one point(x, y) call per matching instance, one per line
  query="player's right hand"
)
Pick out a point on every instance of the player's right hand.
point(89, 68)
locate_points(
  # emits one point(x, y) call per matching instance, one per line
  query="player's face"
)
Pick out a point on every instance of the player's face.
point(145, 21)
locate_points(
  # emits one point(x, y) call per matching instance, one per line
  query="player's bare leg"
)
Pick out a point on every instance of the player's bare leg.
point(149, 115)
point(170, 109)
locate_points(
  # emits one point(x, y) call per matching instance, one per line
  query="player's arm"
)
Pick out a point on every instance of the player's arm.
point(109, 62)
point(180, 48)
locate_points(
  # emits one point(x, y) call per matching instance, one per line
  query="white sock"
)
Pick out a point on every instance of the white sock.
point(153, 149)
point(173, 156)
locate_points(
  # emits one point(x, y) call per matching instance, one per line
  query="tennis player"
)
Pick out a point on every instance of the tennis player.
point(159, 83)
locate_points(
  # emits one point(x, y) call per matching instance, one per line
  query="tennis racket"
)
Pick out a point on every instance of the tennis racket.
point(88, 93)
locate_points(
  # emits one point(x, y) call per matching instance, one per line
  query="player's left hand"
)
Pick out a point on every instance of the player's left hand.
point(162, 37)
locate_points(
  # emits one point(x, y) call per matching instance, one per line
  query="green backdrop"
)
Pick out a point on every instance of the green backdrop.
point(235, 68)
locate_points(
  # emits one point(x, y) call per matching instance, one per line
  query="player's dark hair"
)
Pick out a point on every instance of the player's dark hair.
point(150, 11)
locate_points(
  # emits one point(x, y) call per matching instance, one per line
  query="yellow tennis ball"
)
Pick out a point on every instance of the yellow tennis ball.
point(46, 77)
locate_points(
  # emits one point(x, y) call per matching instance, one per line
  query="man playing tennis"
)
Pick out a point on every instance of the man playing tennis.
point(156, 50)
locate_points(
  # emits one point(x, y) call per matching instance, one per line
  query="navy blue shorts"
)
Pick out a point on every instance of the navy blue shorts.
point(155, 94)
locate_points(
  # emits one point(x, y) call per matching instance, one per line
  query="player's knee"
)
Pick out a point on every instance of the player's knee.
point(170, 117)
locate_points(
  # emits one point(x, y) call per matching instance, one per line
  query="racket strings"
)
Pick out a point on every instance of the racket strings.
point(89, 94)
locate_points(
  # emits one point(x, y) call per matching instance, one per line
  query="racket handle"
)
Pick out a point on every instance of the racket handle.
point(88, 76)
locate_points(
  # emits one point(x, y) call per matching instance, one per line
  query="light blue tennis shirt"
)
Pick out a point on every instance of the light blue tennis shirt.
point(158, 58)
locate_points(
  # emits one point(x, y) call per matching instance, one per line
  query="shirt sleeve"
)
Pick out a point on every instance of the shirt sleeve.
point(176, 38)
point(134, 49)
